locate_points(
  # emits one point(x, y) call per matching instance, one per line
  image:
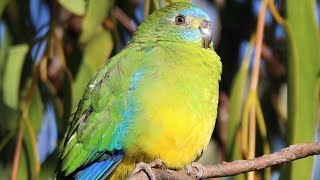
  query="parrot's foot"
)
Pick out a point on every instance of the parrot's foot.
point(199, 169)
point(147, 168)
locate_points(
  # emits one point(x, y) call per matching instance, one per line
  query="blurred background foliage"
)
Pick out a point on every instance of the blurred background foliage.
point(49, 50)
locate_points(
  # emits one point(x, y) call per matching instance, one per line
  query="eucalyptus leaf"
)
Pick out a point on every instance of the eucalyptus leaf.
point(29, 139)
point(77, 7)
point(5, 41)
point(236, 103)
point(303, 74)
point(95, 14)
point(83, 77)
point(98, 50)
point(36, 110)
point(23, 165)
point(12, 75)
point(9, 118)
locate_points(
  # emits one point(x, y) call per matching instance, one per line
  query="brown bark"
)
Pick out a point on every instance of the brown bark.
point(283, 156)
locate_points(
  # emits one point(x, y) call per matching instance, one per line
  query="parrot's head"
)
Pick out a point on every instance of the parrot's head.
point(178, 22)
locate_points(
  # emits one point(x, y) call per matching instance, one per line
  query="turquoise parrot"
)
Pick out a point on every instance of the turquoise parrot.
point(156, 99)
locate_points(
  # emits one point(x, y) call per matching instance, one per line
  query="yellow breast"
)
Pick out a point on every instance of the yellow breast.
point(176, 123)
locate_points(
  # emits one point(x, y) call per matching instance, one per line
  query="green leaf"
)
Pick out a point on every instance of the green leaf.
point(4, 47)
point(36, 111)
point(23, 165)
point(83, 77)
point(30, 140)
point(236, 104)
point(10, 117)
point(12, 75)
point(303, 74)
point(5, 171)
point(3, 4)
point(98, 50)
point(95, 55)
point(77, 7)
point(96, 12)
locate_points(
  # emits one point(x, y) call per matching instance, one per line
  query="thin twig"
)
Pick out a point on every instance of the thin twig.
point(124, 19)
point(146, 8)
point(254, 82)
point(6, 139)
point(281, 157)
point(17, 153)
point(259, 40)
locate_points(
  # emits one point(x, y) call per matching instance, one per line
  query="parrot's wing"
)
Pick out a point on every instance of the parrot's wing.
point(93, 142)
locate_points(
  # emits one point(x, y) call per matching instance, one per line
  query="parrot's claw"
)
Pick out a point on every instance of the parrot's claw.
point(147, 168)
point(199, 169)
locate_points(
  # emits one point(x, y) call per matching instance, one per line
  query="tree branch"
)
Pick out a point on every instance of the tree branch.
point(283, 156)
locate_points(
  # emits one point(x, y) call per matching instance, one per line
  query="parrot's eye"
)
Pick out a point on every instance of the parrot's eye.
point(180, 19)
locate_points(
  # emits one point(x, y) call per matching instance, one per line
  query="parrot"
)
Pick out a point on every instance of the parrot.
point(156, 99)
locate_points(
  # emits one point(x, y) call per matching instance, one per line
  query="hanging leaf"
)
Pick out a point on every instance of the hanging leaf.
point(95, 55)
point(303, 81)
point(83, 77)
point(77, 7)
point(23, 166)
point(236, 103)
point(98, 50)
point(96, 12)
point(5, 41)
point(36, 111)
point(12, 75)
point(10, 117)
point(30, 140)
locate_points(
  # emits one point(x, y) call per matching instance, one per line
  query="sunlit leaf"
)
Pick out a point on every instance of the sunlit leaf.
point(5, 41)
point(303, 75)
point(96, 12)
point(98, 50)
point(12, 75)
point(77, 7)
point(96, 53)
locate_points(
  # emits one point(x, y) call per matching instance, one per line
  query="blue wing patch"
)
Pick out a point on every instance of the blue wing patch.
point(101, 169)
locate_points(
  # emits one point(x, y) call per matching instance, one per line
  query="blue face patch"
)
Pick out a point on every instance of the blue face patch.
point(195, 12)
point(191, 35)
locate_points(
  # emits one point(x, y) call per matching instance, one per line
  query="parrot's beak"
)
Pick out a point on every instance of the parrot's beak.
point(206, 32)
